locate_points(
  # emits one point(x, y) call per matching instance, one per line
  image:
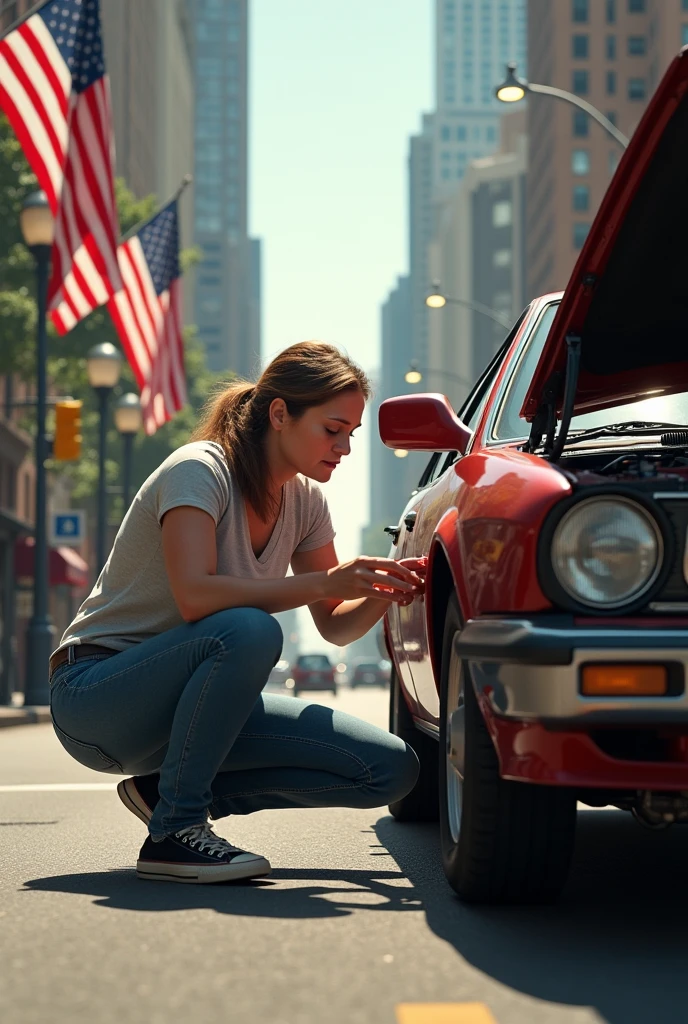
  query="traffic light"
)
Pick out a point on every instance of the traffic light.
point(67, 442)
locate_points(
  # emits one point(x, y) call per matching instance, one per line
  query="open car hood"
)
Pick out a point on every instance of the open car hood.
point(627, 298)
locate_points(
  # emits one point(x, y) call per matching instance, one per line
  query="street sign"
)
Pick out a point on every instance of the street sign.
point(68, 528)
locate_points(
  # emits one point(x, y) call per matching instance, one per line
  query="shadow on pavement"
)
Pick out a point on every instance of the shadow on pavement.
point(122, 890)
point(617, 940)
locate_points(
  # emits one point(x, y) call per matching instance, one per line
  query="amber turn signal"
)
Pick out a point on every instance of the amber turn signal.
point(624, 680)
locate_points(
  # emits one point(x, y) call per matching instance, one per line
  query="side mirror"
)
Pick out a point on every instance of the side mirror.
point(422, 423)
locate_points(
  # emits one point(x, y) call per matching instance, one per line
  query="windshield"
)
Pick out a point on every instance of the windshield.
point(664, 409)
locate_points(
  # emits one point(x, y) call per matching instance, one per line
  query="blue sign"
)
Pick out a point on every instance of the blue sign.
point(67, 527)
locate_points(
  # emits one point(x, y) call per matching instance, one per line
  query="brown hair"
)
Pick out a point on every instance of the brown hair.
point(304, 375)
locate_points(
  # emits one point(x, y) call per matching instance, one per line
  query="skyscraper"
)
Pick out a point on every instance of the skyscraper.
point(228, 278)
point(613, 54)
point(474, 39)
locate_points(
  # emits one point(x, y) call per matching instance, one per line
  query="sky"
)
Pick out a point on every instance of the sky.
point(336, 87)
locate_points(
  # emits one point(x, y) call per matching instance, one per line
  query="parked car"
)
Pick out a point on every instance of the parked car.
point(546, 662)
point(280, 673)
point(312, 672)
point(369, 672)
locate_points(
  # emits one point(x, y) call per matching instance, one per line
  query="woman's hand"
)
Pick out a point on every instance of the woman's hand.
point(383, 578)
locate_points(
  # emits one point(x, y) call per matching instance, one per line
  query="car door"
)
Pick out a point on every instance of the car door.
point(419, 524)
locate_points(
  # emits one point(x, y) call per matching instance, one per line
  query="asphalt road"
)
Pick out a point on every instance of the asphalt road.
point(355, 920)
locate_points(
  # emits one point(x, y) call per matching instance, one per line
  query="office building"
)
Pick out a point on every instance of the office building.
point(479, 250)
point(228, 278)
point(612, 53)
point(148, 58)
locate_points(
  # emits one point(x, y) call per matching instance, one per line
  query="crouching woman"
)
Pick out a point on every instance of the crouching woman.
point(160, 675)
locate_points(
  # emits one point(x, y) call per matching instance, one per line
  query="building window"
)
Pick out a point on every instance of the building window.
point(611, 116)
point(501, 214)
point(636, 6)
point(579, 47)
point(637, 46)
point(684, 34)
point(580, 233)
point(580, 81)
point(446, 132)
point(610, 47)
point(491, 133)
point(684, 5)
point(581, 198)
point(210, 282)
point(461, 133)
point(581, 124)
point(580, 162)
point(612, 161)
point(611, 12)
point(501, 258)
point(611, 83)
point(636, 88)
point(579, 11)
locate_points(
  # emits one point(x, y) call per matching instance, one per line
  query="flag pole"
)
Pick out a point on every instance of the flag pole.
point(186, 181)
point(23, 18)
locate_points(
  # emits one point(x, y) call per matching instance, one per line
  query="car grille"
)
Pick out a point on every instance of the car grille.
point(676, 588)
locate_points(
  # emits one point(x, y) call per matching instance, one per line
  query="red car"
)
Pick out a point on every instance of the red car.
point(546, 662)
point(312, 672)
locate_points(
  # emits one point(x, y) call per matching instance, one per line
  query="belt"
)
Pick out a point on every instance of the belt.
point(74, 652)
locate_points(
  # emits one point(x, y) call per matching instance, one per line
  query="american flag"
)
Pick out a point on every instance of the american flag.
point(147, 313)
point(56, 95)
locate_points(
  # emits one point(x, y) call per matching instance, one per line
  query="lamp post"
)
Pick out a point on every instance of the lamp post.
point(514, 89)
point(103, 364)
point(436, 300)
point(37, 228)
point(128, 420)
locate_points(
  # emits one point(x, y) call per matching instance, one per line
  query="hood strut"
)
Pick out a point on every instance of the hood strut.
point(545, 420)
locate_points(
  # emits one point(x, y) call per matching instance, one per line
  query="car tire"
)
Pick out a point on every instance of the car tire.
point(422, 803)
point(502, 842)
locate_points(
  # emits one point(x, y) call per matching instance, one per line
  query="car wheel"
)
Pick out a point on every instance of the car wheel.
point(421, 804)
point(502, 842)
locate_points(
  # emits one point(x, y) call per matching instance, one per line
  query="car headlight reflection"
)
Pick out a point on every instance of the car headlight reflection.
point(606, 551)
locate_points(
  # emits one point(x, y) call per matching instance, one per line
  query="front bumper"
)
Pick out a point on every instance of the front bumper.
point(529, 669)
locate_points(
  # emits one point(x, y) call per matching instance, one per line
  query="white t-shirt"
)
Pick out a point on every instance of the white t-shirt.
point(132, 600)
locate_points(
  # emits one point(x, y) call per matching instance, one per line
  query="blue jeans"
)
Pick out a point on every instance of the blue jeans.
point(187, 704)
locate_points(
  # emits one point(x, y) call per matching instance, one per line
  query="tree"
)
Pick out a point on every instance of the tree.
point(67, 355)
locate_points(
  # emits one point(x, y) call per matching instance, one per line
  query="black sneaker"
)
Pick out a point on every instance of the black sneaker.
point(139, 795)
point(196, 854)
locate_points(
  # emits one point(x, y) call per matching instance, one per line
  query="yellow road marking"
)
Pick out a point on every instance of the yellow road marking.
point(444, 1013)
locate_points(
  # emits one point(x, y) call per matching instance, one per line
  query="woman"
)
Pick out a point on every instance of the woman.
point(160, 674)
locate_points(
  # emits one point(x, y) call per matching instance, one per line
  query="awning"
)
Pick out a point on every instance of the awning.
point(11, 526)
point(66, 567)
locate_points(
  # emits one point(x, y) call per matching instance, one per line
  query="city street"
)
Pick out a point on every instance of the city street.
point(355, 919)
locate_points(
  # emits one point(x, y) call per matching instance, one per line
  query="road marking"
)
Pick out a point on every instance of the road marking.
point(59, 787)
point(444, 1013)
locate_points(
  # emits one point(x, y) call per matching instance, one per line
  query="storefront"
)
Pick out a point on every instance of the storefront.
point(11, 529)
point(67, 587)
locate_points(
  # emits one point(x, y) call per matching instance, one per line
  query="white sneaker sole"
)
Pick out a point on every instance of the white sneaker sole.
point(160, 871)
point(132, 800)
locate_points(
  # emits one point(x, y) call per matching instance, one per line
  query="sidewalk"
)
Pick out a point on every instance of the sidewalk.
point(16, 714)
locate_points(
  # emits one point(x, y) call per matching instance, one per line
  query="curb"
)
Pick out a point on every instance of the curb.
point(24, 716)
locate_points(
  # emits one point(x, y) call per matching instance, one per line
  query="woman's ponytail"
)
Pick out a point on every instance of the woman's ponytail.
point(237, 416)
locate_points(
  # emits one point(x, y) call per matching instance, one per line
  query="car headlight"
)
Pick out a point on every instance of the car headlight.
point(606, 551)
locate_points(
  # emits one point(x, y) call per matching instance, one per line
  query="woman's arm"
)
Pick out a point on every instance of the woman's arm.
point(190, 553)
point(341, 622)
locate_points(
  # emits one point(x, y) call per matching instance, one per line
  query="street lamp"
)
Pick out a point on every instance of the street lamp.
point(128, 420)
point(37, 227)
point(514, 89)
point(436, 299)
point(103, 364)
point(414, 374)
